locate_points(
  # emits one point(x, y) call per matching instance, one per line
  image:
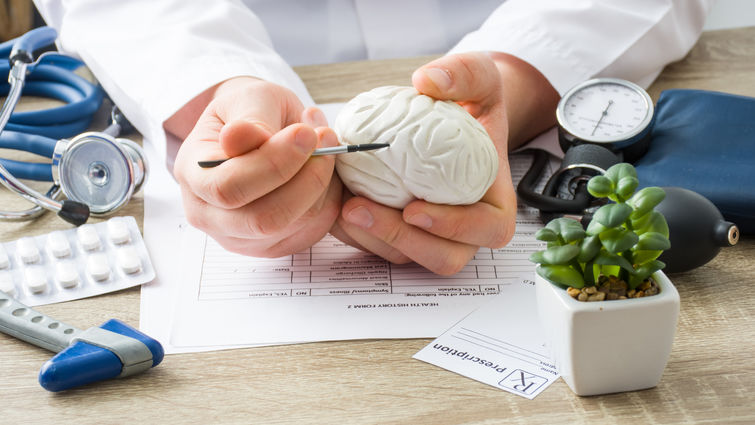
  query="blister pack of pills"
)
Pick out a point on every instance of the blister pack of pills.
point(76, 263)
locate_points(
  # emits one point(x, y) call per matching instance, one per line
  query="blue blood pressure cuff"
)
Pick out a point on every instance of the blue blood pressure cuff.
point(705, 141)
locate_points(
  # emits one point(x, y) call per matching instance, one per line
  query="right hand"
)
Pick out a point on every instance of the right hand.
point(270, 199)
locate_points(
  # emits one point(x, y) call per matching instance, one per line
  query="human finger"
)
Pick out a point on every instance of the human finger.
point(229, 228)
point(245, 178)
point(441, 256)
point(356, 236)
point(247, 102)
point(303, 193)
point(256, 101)
point(270, 214)
point(314, 117)
point(461, 77)
point(241, 136)
point(203, 142)
point(479, 224)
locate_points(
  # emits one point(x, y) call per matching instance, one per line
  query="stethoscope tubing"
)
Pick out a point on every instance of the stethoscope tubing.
point(39, 145)
point(28, 170)
point(82, 99)
point(32, 143)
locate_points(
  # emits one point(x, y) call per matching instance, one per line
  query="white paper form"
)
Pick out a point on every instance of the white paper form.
point(334, 292)
point(500, 344)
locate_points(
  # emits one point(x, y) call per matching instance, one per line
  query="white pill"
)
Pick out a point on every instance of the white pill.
point(27, 250)
point(4, 260)
point(66, 274)
point(128, 260)
point(98, 267)
point(58, 245)
point(6, 284)
point(35, 279)
point(88, 237)
point(117, 230)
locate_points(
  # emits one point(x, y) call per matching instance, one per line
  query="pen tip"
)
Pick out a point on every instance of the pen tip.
point(374, 146)
point(211, 164)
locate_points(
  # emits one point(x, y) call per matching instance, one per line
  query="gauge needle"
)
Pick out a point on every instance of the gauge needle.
point(605, 112)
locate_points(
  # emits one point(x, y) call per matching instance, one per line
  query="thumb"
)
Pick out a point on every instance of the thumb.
point(465, 77)
point(242, 136)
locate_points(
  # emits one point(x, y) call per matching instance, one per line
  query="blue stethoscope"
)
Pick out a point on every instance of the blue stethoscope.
point(97, 172)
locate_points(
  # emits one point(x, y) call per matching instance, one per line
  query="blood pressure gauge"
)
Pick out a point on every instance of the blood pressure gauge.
point(609, 112)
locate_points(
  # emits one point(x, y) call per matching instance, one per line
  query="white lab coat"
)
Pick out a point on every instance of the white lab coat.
point(153, 56)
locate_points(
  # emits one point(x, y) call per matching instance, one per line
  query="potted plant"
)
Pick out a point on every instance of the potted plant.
point(622, 341)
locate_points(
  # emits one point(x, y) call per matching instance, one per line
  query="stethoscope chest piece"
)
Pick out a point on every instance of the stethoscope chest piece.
point(98, 170)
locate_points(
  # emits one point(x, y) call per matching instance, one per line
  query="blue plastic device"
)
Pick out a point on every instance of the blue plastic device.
point(113, 350)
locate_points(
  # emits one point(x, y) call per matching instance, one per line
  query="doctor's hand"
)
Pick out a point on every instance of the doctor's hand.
point(514, 103)
point(270, 199)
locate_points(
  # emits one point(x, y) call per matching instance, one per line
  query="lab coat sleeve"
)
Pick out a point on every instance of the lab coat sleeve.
point(572, 41)
point(152, 57)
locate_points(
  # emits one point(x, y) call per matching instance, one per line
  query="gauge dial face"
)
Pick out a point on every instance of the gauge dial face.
point(605, 110)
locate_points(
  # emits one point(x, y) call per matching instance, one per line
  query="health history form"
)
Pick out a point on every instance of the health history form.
point(333, 292)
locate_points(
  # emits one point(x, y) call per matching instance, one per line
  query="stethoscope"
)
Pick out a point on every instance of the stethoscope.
point(97, 172)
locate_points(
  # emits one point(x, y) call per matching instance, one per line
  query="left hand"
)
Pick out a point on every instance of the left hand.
point(443, 238)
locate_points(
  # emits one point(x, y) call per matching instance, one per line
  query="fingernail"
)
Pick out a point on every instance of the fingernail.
point(328, 138)
point(303, 141)
point(440, 77)
point(361, 217)
point(420, 220)
point(318, 118)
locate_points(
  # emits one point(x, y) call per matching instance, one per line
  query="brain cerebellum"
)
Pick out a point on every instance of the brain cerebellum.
point(438, 152)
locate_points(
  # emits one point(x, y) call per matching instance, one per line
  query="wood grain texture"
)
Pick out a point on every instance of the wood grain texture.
point(710, 377)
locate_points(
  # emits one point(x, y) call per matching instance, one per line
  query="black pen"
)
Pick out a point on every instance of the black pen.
point(317, 152)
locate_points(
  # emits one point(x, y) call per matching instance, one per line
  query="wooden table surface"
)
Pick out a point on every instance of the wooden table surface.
point(710, 377)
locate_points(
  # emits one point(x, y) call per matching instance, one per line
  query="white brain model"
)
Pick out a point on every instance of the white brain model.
point(438, 152)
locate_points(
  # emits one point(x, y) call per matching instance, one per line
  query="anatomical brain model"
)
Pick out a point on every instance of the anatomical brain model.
point(438, 152)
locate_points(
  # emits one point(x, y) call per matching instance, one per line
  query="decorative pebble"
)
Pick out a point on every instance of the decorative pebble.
point(118, 231)
point(27, 250)
point(611, 288)
point(88, 237)
point(98, 267)
point(35, 279)
point(58, 245)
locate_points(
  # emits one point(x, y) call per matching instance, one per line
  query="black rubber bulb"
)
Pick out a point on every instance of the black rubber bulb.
point(697, 230)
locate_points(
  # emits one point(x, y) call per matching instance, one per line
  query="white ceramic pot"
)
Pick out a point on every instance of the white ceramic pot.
point(609, 346)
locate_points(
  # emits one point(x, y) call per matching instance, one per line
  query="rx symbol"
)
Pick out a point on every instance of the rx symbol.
point(523, 382)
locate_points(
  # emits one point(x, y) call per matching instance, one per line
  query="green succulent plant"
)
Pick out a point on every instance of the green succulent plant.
point(624, 238)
